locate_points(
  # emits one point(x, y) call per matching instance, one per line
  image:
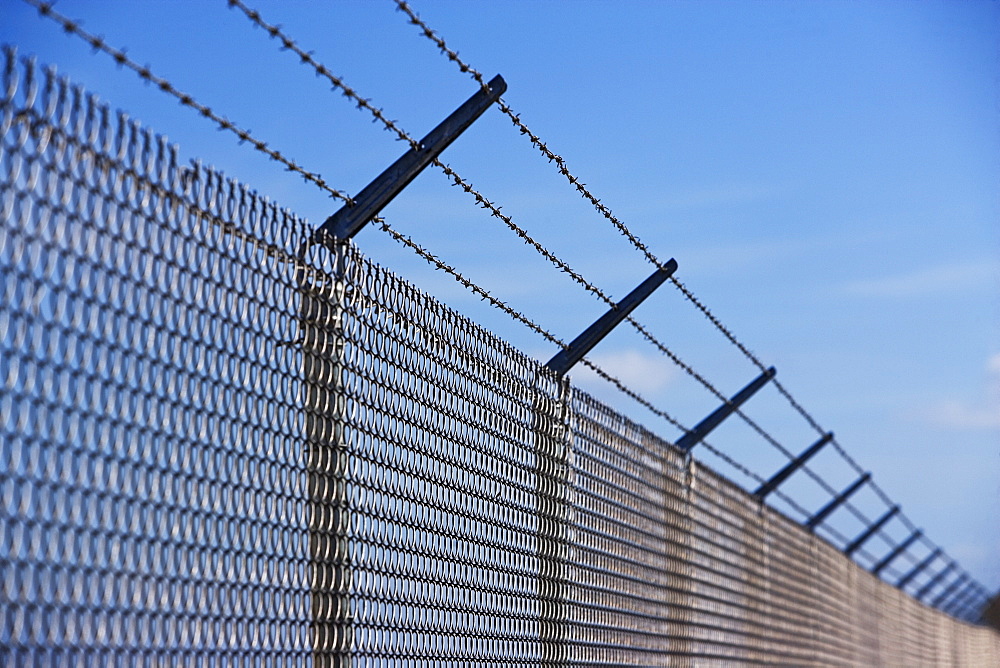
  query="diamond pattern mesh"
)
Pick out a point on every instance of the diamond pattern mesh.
point(222, 446)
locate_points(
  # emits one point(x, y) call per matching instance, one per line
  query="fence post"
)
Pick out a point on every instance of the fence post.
point(321, 320)
point(553, 432)
point(553, 446)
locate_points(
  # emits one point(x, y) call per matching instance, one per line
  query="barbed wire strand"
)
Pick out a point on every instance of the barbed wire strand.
point(437, 263)
point(563, 168)
point(307, 58)
point(97, 42)
point(476, 289)
point(515, 118)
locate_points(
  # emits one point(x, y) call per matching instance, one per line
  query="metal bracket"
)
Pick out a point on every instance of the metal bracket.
point(349, 220)
point(565, 359)
point(870, 531)
point(896, 552)
point(791, 467)
point(961, 598)
point(915, 571)
point(705, 427)
point(934, 580)
point(943, 596)
point(837, 501)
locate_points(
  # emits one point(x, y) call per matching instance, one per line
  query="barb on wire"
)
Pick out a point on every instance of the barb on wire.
point(121, 58)
point(563, 168)
point(307, 58)
point(551, 338)
point(338, 83)
point(536, 141)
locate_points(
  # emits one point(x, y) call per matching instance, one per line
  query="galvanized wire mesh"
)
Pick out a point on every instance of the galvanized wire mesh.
point(152, 474)
point(219, 446)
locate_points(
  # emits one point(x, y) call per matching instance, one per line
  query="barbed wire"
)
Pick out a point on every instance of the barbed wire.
point(452, 55)
point(97, 42)
point(481, 292)
point(437, 263)
point(515, 118)
point(563, 168)
point(307, 58)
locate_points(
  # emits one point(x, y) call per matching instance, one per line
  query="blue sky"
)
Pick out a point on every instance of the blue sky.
point(826, 175)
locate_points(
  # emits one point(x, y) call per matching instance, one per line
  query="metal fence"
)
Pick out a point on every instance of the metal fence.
point(219, 446)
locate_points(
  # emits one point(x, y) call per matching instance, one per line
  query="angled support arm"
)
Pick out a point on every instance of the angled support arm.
point(791, 467)
point(349, 220)
point(933, 581)
point(705, 427)
point(943, 596)
point(565, 359)
point(870, 531)
point(837, 501)
point(915, 571)
point(896, 552)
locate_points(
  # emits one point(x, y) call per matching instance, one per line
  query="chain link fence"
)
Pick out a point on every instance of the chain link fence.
point(222, 446)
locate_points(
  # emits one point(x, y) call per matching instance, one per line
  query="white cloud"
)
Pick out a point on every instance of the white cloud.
point(982, 414)
point(947, 278)
point(643, 373)
point(956, 414)
point(993, 367)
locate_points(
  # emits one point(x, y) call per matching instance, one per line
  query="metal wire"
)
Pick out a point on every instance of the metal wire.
point(307, 58)
point(72, 27)
point(621, 387)
point(144, 72)
point(563, 168)
point(606, 212)
point(338, 83)
point(179, 485)
point(150, 506)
